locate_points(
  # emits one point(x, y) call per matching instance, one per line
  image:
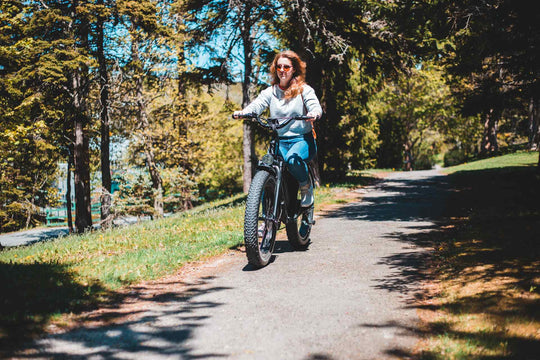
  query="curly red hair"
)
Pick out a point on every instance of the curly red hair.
point(298, 80)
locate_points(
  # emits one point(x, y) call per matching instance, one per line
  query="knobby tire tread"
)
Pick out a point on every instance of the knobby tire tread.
point(293, 234)
point(251, 219)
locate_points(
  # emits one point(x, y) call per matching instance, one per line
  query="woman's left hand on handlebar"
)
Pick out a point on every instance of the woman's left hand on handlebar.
point(312, 117)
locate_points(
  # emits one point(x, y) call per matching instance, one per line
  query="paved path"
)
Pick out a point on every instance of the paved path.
point(29, 237)
point(32, 236)
point(350, 296)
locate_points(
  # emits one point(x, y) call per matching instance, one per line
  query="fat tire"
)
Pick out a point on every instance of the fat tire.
point(298, 230)
point(262, 188)
point(298, 236)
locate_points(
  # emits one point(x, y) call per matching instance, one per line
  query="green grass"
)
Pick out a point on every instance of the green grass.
point(139, 252)
point(486, 262)
point(45, 280)
point(522, 158)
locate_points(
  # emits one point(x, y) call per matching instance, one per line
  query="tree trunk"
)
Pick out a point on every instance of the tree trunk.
point(535, 129)
point(68, 191)
point(144, 126)
point(408, 159)
point(81, 159)
point(248, 141)
point(489, 139)
point(30, 211)
point(105, 128)
point(534, 124)
point(181, 62)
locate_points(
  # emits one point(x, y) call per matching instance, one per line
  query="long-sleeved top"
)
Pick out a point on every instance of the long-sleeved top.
point(274, 98)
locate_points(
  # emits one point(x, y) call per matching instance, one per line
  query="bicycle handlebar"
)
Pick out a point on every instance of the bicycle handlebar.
point(272, 123)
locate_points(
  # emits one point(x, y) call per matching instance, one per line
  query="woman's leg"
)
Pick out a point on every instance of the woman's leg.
point(297, 153)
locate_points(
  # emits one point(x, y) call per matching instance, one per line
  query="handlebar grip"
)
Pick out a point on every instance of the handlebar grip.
point(244, 116)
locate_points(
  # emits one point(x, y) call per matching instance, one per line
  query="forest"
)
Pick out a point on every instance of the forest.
point(136, 97)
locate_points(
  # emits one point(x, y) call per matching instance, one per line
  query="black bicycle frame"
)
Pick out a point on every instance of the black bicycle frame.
point(285, 196)
point(285, 202)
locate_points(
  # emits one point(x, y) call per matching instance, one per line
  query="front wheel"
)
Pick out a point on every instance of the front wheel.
point(259, 226)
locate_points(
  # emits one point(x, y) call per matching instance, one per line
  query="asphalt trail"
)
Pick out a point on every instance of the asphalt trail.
point(349, 296)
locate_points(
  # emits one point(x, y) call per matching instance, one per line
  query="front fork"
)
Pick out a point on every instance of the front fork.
point(277, 205)
point(277, 172)
point(290, 205)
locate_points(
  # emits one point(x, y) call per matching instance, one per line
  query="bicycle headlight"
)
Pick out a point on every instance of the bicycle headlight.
point(267, 160)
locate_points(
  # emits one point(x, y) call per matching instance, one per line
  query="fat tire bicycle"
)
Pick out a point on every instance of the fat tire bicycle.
point(273, 199)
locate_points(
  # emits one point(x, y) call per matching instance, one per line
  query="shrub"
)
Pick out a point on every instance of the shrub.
point(454, 156)
point(424, 161)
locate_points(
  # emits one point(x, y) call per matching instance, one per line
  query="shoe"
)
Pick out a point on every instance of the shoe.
point(260, 230)
point(306, 195)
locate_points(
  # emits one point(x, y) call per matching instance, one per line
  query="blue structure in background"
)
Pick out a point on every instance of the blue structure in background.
point(58, 216)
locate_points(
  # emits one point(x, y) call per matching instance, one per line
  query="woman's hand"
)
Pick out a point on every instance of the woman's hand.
point(312, 117)
point(237, 113)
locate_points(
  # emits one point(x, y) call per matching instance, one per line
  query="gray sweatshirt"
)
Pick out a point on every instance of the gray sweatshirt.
point(274, 98)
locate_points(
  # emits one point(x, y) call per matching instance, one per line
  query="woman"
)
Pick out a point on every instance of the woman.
point(290, 96)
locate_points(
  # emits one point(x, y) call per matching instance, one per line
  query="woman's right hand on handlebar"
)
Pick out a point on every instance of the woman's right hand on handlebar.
point(237, 114)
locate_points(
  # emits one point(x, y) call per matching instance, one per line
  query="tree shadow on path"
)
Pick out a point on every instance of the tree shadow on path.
point(479, 232)
point(157, 324)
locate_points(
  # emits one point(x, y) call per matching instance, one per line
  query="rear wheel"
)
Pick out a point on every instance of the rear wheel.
point(299, 229)
point(259, 226)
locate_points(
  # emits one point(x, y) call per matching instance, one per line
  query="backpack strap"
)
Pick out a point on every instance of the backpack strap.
point(305, 108)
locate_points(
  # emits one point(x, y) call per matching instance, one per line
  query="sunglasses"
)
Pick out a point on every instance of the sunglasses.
point(284, 67)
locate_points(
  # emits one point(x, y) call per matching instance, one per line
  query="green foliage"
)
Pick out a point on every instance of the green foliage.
point(454, 156)
point(134, 196)
point(179, 190)
point(347, 45)
point(414, 112)
point(427, 150)
point(30, 117)
point(219, 139)
point(361, 130)
point(354, 50)
point(202, 144)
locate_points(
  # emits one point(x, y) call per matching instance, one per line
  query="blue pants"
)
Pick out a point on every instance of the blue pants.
point(297, 151)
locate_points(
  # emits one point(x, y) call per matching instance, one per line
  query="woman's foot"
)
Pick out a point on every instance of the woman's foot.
point(261, 230)
point(306, 195)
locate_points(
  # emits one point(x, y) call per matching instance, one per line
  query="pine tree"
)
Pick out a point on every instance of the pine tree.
point(104, 11)
point(42, 54)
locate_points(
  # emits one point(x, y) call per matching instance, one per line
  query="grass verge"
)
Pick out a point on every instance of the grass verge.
point(484, 298)
point(45, 281)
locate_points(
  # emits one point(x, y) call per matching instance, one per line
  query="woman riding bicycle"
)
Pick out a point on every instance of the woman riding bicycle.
point(290, 96)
